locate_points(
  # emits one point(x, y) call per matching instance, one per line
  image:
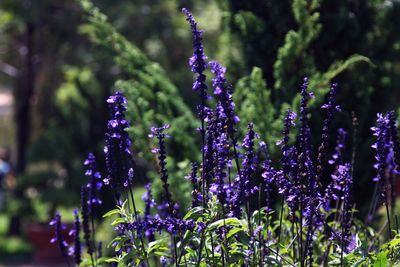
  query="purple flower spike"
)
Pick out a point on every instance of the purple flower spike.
point(305, 134)
point(330, 107)
point(394, 137)
point(223, 92)
point(249, 162)
point(345, 172)
point(269, 175)
point(85, 220)
point(77, 242)
point(59, 238)
point(289, 121)
point(149, 203)
point(243, 184)
point(198, 64)
point(95, 182)
point(382, 145)
point(337, 157)
point(117, 149)
point(307, 172)
point(162, 156)
point(198, 59)
point(197, 197)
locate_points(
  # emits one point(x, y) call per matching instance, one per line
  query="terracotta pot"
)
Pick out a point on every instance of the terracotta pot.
point(44, 252)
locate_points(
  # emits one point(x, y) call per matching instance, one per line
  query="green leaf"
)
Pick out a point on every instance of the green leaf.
point(112, 260)
point(111, 212)
point(381, 260)
point(224, 222)
point(118, 221)
point(158, 246)
point(233, 231)
point(193, 213)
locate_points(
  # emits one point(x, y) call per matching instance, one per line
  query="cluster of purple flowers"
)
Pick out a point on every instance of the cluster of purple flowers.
point(307, 200)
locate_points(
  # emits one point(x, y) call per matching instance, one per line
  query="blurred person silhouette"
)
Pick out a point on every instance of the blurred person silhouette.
point(7, 179)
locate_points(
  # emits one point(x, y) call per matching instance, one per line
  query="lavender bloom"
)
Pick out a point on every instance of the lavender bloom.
point(330, 107)
point(382, 145)
point(394, 136)
point(118, 143)
point(394, 166)
point(77, 242)
point(121, 230)
point(249, 162)
point(305, 135)
point(307, 172)
point(149, 204)
point(85, 220)
point(59, 227)
point(160, 150)
point(269, 175)
point(222, 161)
point(163, 261)
point(307, 168)
point(337, 157)
point(221, 168)
point(209, 148)
point(198, 64)
point(197, 197)
point(223, 91)
point(336, 188)
point(345, 172)
point(289, 121)
point(198, 59)
point(243, 184)
point(293, 195)
point(95, 182)
point(392, 174)
point(383, 148)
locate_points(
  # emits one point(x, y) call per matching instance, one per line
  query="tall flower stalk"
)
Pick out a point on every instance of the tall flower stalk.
point(286, 162)
point(118, 154)
point(93, 190)
point(77, 242)
point(160, 150)
point(62, 244)
point(160, 135)
point(198, 65)
point(86, 224)
point(382, 147)
point(330, 108)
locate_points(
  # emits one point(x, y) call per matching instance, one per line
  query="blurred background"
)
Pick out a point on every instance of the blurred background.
point(60, 59)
